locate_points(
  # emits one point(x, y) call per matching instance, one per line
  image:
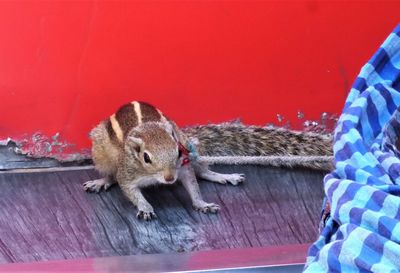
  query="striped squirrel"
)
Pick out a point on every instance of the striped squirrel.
point(139, 146)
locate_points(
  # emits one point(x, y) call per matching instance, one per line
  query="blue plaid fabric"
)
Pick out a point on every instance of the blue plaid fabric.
point(362, 233)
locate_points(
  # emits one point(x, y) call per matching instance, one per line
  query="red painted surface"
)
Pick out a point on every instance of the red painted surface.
point(66, 65)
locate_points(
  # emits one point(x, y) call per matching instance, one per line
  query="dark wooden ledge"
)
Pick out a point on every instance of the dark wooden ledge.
point(47, 216)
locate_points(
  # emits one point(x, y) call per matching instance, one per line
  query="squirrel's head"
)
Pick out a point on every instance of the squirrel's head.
point(154, 145)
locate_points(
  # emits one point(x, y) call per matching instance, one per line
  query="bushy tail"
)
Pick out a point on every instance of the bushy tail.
point(236, 143)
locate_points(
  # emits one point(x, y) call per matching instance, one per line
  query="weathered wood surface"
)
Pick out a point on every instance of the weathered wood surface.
point(47, 216)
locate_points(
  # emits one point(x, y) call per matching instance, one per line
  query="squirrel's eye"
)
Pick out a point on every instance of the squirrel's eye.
point(146, 158)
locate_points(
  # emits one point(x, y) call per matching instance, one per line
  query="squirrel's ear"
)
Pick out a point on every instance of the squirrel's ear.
point(171, 131)
point(168, 127)
point(175, 136)
point(135, 143)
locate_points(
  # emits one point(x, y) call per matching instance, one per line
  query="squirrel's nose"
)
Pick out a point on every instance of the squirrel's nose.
point(169, 178)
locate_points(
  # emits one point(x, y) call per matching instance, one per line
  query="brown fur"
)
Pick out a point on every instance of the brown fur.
point(126, 118)
point(240, 140)
point(149, 112)
point(105, 149)
point(146, 153)
point(110, 132)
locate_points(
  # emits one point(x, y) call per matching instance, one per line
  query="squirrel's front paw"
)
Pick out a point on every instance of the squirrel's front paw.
point(146, 215)
point(206, 207)
point(96, 185)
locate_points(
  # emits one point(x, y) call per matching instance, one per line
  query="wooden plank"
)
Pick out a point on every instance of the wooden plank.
point(47, 216)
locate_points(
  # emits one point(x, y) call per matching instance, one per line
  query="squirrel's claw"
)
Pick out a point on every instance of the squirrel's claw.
point(236, 178)
point(146, 215)
point(96, 185)
point(207, 208)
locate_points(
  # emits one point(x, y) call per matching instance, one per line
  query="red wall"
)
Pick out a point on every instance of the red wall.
point(66, 65)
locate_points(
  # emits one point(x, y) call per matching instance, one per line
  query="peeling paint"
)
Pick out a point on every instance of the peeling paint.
point(325, 124)
point(39, 145)
point(4, 142)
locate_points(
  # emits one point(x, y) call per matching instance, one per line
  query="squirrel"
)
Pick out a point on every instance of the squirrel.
point(139, 146)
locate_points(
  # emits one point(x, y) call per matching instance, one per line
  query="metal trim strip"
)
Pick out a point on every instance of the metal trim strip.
point(176, 262)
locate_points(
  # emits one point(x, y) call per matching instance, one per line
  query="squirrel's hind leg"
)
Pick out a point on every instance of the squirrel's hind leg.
point(188, 179)
point(202, 170)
